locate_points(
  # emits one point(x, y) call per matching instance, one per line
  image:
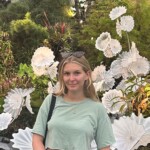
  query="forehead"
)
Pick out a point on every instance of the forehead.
point(72, 66)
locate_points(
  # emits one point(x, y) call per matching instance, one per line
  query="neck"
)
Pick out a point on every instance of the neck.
point(74, 96)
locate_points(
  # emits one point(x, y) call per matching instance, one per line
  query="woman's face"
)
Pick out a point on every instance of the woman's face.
point(74, 77)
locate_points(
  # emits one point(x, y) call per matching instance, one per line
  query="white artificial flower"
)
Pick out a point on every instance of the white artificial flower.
point(113, 48)
point(39, 71)
point(5, 120)
point(52, 70)
point(50, 88)
point(108, 53)
point(130, 64)
point(126, 135)
point(103, 79)
point(127, 23)
point(96, 73)
point(145, 122)
point(28, 105)
point(140, 67)
point(118, 28)
point(43, 57)
point(112, 100)
point(15, 100)
point(23, 139)
point(56, 87)
point(117, 12)
point(102, 41)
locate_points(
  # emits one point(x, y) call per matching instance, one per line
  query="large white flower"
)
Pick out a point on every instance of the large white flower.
point(43, 57)
point(130, 64)
point(5, 120)
point(127, 23)
point(96, 73)
point(103, 80)
point(52, 70)
point(117, 12)
point(23, 139)
point(126, 135)
point(15, 100)
point(112, 100)
point(102, 41)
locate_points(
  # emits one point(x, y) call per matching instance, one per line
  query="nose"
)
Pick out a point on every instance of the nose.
point(71, 77)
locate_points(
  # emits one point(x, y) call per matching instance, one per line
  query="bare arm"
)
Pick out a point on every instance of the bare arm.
point(37, 142)
point(105, 148)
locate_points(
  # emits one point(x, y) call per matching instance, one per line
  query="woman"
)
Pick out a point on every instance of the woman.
point(78, 116)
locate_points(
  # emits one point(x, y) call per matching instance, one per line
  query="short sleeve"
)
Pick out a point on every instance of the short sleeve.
point(104, 134)
point(41, 119)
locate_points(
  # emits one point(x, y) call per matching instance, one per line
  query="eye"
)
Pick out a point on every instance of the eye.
point(66, 73)
point(77, 72)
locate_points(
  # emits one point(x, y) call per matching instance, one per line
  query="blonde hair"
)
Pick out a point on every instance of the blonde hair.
point(89, 89)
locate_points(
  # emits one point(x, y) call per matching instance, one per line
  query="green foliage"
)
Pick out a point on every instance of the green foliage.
point(98, 21)
point(26, 36)
point(13, 11)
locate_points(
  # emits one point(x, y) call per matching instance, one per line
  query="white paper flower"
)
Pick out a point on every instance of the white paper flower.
point(50, 88)
point(112, 101)
point(5, 120)
point(117, 12)
point(145, 122)
point(118, 28)
point(113, 48)
point(43, 57)
point(52, 70)
point(15, 100)
point(96, 73)
point(23, 139)
point(102, 41)
point(130, 64)
point(127, 133)
point(103, 80)
point(108, 53)
point(127, 23)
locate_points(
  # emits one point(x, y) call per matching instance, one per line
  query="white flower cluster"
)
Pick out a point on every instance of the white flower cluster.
point(103, 80)
point(124, 23)
point(43, 62)
point(110, 47)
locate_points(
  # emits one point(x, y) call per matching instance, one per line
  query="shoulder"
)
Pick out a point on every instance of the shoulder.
point(98, 107)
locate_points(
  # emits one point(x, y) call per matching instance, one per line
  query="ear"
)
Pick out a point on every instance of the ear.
point(88, 74)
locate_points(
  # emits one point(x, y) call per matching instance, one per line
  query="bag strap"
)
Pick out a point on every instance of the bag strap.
point(52, 105)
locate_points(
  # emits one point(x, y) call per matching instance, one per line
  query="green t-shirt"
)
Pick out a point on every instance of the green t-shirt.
point(74, 125)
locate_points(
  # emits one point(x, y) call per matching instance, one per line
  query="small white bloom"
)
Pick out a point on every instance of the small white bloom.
point(112, 100)
point(23, 139)
point(127, 23)
point(118, 28)
point(102, 41)
point(5, 119)
point(117, 12)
